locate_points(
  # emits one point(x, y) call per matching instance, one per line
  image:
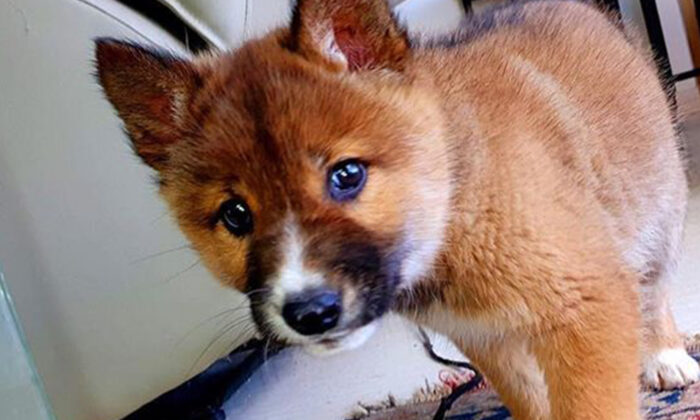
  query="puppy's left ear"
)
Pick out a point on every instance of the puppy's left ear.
point(349, 35)
point(151, 90)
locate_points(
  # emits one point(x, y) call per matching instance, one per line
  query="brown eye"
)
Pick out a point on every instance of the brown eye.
point(346, 179)
point(236, 216)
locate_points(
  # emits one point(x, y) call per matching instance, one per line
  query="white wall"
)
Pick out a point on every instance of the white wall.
point(77, 212)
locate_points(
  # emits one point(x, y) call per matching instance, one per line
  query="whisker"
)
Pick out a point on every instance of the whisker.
point(224, 331)
point(243, 336)
point(266, 348)
point(243, 305)
point(246, 14)
point(241, 316)
point(157, 219)
point(179, 273)
point(256, 291)
point(223, 314)
point(241, 320)
point(158, 254)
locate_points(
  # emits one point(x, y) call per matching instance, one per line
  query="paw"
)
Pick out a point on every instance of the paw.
point(669, 369)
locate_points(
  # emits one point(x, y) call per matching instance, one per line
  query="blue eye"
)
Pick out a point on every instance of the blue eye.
point(346, 179)
point(236, 217)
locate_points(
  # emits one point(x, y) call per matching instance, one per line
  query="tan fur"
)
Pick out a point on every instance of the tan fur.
point(599, 195)
point(526, 171)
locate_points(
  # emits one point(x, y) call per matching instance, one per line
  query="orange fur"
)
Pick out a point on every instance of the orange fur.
point(523, 175)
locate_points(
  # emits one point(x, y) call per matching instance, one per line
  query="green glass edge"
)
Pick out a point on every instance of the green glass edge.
point(4, 291)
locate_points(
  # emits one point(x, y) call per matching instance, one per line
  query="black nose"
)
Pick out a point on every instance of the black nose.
point(313, 312)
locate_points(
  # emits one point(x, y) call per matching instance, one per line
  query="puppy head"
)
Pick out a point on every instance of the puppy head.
point(308, 168)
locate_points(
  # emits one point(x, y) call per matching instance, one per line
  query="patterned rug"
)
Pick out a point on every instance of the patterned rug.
point(484, 404)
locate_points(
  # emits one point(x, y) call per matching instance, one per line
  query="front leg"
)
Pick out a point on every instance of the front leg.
point(512, 370)
point(591, 360)
point(503, 357)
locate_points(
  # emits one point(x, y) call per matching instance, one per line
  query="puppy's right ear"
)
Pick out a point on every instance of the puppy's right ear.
point(151, 92)
point(349, 35)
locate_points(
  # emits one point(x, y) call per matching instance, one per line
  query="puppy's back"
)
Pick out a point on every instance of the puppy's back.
point(564, 108)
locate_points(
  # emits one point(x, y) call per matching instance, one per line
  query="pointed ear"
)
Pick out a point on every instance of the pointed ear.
point(349, 34)
point(151, 92)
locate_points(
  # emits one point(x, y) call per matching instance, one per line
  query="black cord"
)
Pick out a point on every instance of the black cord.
point(428, 345)
point(203, 396)
point(447, 402)
point(161, 15)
